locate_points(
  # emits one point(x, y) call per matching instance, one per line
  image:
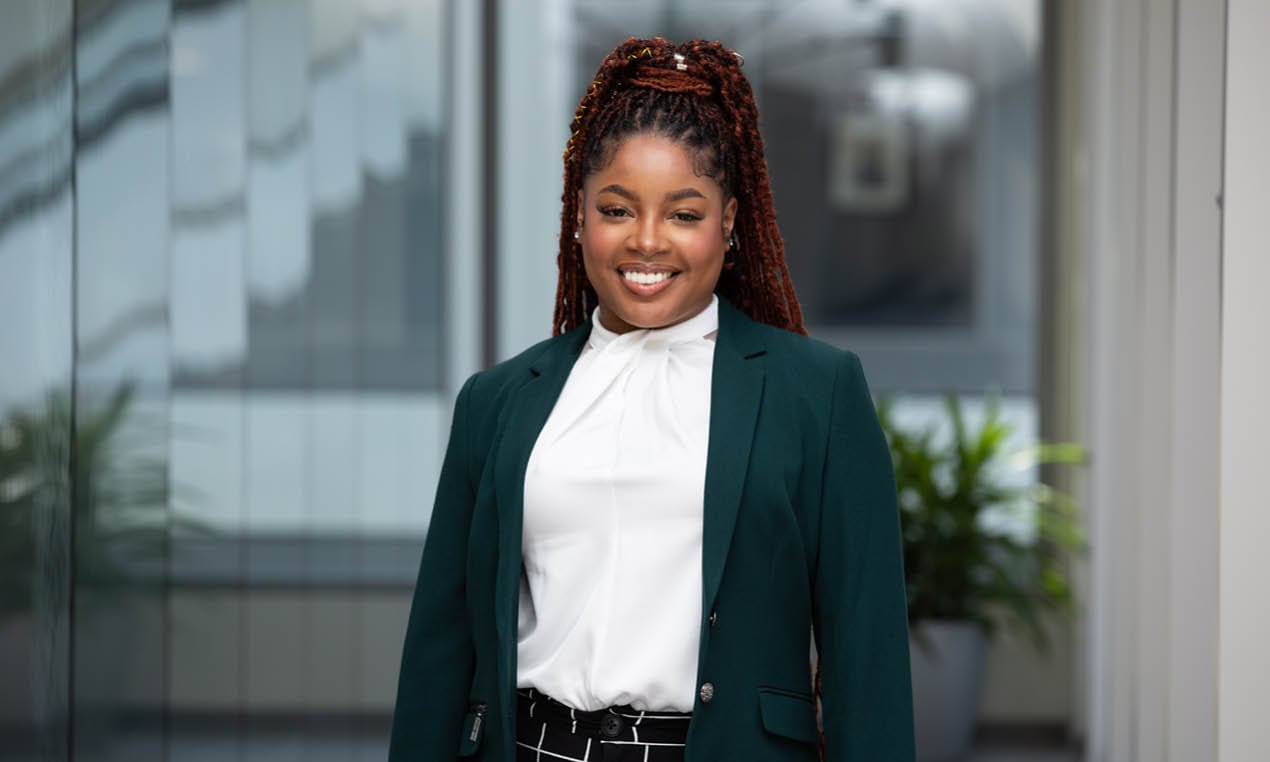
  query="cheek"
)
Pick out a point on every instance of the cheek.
point(711, 252)
point(594, 259)
point(601, 247)
point(596, 240)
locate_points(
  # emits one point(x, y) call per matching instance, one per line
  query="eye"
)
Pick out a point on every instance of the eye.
point(688, 216)
point(613, 211)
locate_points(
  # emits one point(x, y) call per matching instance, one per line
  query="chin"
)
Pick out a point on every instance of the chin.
point(650, 316)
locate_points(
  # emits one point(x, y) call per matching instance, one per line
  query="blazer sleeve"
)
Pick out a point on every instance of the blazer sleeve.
point(859, 616)
point(437, 659)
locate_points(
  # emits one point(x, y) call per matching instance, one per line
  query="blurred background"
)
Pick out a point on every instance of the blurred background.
point(250, 249)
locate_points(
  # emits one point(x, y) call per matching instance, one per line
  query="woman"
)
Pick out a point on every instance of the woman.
point(640, 520)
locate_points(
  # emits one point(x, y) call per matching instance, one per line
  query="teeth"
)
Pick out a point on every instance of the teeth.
point(645, 279)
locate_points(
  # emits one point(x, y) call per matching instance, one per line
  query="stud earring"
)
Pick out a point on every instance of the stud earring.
point(731, 240)
point(577, 235)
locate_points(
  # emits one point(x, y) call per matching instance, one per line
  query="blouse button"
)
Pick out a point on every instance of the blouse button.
point(714, 618)
point(707, 692)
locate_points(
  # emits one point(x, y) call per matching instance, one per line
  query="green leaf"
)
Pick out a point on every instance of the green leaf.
point(956, 566)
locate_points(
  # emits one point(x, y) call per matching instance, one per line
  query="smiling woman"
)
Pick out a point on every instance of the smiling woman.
point(641, 519)
point(653, 235)
point(694, 98)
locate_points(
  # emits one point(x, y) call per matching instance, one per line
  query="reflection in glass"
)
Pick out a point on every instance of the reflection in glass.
point(121, 377)
point(222, 362)
point(36, 106)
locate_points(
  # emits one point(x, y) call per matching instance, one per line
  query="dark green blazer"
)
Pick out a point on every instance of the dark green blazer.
point(801, 534)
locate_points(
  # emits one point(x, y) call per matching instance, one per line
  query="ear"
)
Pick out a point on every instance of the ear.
point(729, 217)
point(578, 221)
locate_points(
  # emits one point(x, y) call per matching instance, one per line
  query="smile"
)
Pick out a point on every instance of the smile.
point(646, 282)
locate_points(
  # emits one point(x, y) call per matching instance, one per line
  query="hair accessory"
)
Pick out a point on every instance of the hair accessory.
point(740, 59)
point(679, 62)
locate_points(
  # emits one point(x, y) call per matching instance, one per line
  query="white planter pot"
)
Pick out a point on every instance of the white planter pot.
point(948, 666)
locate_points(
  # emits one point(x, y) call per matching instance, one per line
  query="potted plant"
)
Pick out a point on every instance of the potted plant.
point(967, 571)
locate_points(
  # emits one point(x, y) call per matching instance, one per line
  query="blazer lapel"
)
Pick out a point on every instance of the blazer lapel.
point(528, 412)
point(735, 392)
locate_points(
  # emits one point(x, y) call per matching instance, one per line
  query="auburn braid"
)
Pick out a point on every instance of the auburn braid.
point(709, 108)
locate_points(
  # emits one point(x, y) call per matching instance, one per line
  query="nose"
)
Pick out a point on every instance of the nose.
point(649, 237)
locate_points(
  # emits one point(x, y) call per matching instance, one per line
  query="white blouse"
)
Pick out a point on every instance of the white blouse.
point(610, 599)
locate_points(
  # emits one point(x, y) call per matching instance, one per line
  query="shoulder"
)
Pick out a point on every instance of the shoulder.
point(804, 362)
point(487, 395)
point(806, 353)
point(487, 387)
point(824, 377)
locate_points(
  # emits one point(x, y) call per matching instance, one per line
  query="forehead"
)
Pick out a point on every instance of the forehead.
point(652, 161)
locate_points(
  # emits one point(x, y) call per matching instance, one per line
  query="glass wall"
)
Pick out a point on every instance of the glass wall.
point(224, 384)
point(36, 384)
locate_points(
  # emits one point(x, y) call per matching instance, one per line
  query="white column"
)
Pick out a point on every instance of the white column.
point(1244, 620)
point(1152, 127)
point(1196, 331)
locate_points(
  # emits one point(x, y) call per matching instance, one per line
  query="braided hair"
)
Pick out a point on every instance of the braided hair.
point(695, 94)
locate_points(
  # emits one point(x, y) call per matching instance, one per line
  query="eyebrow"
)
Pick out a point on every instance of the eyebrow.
point(630, 195)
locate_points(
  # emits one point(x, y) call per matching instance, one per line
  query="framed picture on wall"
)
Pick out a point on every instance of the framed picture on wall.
point(868, 162)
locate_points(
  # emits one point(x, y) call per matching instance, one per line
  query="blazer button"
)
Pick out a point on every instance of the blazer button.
point(714, 618)
point(707, 692)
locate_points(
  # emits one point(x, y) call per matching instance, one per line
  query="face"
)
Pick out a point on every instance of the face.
point(653, 234)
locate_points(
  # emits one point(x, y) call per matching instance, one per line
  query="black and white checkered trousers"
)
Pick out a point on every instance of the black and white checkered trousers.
point(549, 731)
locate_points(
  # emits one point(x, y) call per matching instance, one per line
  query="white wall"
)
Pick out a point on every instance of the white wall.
point(1244, 654)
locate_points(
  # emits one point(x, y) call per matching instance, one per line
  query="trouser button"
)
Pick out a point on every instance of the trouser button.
point(611, 726)
point(707, 692)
